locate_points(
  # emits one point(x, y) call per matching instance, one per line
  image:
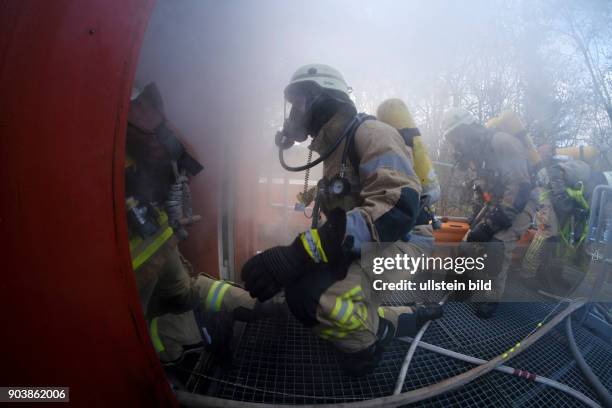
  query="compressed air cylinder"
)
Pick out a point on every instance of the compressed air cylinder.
point(584, 153)
point(509, 122)
point(394, 112)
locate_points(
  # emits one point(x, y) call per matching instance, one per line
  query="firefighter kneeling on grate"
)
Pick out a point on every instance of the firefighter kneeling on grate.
point(183, 311)
point(369, 193)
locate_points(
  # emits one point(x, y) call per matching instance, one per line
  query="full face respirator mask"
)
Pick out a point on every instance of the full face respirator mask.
point(297, 116)
point(307, 109)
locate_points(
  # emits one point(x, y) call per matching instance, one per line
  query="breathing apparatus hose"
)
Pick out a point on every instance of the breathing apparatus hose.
point(587, 372)
point(324, 156)
point(420, 394)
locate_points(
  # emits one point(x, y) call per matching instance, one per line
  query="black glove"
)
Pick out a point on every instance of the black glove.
point(480, 233)
point(498, 220)
point(332, 238)
point(267, 273)
point(408, 324)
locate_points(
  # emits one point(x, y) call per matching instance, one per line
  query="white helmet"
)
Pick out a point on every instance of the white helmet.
point(323, 75)
point(455, 117)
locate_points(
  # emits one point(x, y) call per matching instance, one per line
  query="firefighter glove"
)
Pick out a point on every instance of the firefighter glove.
point(480, 233)
point(267, 273)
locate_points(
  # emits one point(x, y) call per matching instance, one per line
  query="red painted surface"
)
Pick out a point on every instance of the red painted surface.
point(70, 309)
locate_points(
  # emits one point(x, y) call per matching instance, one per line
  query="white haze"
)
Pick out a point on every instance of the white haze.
point(222, 67)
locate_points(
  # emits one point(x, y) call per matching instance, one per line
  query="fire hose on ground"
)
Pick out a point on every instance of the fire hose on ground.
point(587, 372)
point(449, 384)
point(404, 370)
point(512, 371)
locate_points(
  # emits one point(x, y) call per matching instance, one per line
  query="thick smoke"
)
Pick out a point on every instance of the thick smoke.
point(222, 67)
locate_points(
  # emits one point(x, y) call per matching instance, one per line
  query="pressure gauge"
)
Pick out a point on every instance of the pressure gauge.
point(339, 186)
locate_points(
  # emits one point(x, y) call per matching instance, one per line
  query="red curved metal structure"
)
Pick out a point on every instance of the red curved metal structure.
point(70, 309)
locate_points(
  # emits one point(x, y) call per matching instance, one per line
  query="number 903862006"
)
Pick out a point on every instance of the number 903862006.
point(34, 394)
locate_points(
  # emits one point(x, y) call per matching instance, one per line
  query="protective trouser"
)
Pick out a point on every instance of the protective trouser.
point(347, 312)
point(503, 244)
point(549, 251)
point(166, 287)
point(173, 334)
point(548, 228)
point(169, 297)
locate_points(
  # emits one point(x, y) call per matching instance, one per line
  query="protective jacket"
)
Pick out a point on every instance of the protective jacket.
point(503, 173)
point(566, 177)
point(383, 202)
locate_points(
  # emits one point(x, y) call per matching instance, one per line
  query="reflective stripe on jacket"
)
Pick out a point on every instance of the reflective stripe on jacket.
point(143, 249)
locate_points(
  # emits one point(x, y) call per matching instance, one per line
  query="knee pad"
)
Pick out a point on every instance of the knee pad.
point(303, 295)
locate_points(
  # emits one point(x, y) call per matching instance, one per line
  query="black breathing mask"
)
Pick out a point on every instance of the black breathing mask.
point(307, 109)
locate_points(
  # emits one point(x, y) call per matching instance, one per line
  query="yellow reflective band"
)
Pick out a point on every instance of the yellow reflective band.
point(137, 240)
point(342, 311)
point(317, 239)
point(157, 343)
point(336, 309)
point(350, 295)
point(348, 312)
point(312, 244)
point(327, 333)
point(363, 312)
point(381, 312)
point(352, 292)
point(215, 295)
point(152, 248)
point(224, 289)
point(577, 195)
point(355, 324)
point(544, 195)
point(211, 294)
point(306, 246)
point(344, 315)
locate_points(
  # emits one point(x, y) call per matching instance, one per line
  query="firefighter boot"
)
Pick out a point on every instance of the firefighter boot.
point(394, 322)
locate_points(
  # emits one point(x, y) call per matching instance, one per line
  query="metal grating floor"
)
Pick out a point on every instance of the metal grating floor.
point(278, 361)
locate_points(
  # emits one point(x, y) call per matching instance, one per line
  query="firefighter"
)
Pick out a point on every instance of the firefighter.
point(501, 165)
point(158, 204)
point(369, 193)
point(565, 186)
